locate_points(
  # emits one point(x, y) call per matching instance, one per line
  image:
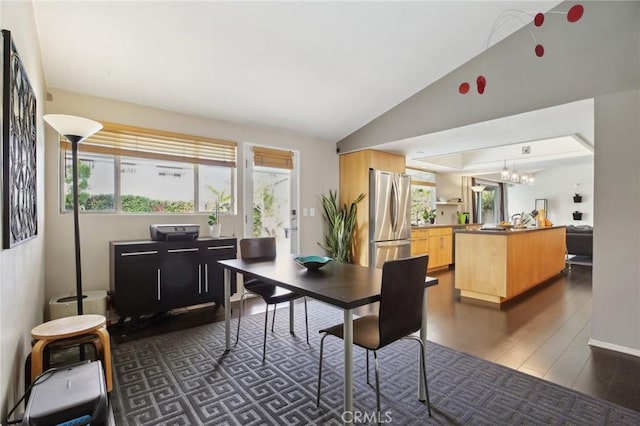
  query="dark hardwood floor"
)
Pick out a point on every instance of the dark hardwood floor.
point(544, 334)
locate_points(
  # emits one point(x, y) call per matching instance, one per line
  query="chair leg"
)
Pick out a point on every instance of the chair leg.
point(424, 370)
point(273, 320)
point(264, 342)
point(306, 318)
point(375, 360)
point(367, 355)
point(424, 375)
point(320, 368)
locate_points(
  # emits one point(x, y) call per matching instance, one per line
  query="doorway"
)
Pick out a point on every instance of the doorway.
point(271, 196)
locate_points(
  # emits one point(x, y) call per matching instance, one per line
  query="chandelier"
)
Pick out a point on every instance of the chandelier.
point(523, 177)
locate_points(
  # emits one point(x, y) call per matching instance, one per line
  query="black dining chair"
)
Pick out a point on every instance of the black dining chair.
point(399, 315)
point(264, 248)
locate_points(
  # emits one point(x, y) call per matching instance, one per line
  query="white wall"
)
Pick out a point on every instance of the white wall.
point(557, 186)
point(22, 267)
point(317, 159)
point(449, 186)
point(616, 234)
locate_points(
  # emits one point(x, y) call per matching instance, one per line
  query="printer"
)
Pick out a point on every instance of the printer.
point(174, 232)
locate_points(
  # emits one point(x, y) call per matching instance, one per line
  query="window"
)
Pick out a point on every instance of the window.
point(423, 193)
point(490, 204)
point(153, 186)
point(96, 186)
point(133, 170)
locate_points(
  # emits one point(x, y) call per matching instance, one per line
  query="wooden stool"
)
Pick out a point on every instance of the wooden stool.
point(64, 328)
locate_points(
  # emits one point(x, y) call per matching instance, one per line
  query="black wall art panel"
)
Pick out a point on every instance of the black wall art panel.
point(19, 198)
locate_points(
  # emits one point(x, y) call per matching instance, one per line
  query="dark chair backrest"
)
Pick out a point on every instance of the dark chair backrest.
point(401, 297)
point(258, 248)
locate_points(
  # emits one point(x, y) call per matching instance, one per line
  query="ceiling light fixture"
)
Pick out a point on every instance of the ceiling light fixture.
point(523, 177)
point(504, 175)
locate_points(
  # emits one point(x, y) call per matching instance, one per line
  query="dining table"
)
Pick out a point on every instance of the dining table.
point(343, 285)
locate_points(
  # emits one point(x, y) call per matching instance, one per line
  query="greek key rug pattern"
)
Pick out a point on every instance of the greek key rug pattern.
point(184, 378)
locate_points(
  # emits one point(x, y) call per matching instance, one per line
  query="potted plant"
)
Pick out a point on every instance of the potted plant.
point(429, 215)
point(577, 198)
point(214, 224)
point(577, 215)
point(341, 223)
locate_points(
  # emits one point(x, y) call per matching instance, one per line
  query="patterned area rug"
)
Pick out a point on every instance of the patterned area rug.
point(184, 378)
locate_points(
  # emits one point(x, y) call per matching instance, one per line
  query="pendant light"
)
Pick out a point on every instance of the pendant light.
point(505, 175)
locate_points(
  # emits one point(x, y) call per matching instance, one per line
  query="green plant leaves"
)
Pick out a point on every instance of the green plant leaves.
point(341, 223)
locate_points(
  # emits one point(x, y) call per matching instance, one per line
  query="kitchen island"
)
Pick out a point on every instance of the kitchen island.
point(497, 265)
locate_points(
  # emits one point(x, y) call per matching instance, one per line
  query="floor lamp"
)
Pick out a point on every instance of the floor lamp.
point(75, 130)
point(477, 190)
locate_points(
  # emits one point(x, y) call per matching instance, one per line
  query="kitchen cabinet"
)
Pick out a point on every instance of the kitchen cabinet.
point(354, 180)
point(495, 266)
point(437, 242)
point(440, 247)
point(148, 277)
point(419, 242)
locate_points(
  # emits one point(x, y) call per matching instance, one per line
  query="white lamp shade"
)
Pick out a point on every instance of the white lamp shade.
point(73, 127)
point(478, 188)
point(505, 174)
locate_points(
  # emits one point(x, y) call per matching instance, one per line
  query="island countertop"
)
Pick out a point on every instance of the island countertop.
point(439, 225)
point(506, 231)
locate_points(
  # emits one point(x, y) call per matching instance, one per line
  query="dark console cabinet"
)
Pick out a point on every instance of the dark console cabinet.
point(148, 277)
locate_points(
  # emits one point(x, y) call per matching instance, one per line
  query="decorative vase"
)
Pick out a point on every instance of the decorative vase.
point(432, 220)
point(214, 230)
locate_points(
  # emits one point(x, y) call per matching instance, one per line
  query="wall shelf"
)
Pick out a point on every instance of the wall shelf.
point(447, 203)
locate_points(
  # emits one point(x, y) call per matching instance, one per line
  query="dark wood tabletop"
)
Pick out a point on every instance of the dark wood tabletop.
point(340, 284)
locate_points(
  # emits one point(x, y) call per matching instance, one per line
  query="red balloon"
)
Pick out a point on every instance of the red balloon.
point(481, 83)
point(539, 51)
point(575, 13)
point(539, 19)
point(464, 88)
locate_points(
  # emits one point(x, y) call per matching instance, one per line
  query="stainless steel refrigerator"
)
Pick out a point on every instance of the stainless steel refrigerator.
point(389, 216)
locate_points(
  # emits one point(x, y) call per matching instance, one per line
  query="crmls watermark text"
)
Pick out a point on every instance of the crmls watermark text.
point(366, 417)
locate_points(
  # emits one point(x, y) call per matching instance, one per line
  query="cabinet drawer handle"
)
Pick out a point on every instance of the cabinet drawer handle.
point(182, 250)
point(199, 278)
point(220, 247)
point(158, 283)
point(206, 278)
point(139, 253)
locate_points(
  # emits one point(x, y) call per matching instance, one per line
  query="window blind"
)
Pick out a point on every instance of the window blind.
point(268, 157)
point(422, 183)
point(118, 139)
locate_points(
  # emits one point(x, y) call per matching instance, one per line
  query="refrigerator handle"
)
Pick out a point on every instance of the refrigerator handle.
point(394, 206)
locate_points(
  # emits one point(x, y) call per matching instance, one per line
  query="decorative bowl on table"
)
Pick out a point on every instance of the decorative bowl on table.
point(313, 263)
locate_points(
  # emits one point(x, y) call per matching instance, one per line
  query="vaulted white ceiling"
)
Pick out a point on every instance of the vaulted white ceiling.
point(323, 69)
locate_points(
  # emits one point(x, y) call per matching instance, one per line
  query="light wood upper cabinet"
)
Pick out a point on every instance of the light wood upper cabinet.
point(354, 180)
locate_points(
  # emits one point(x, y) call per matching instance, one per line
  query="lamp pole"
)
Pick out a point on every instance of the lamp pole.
point(76, 218)
point(75, 130)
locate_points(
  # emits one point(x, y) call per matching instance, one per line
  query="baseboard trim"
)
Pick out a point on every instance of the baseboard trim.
point(614, 347)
